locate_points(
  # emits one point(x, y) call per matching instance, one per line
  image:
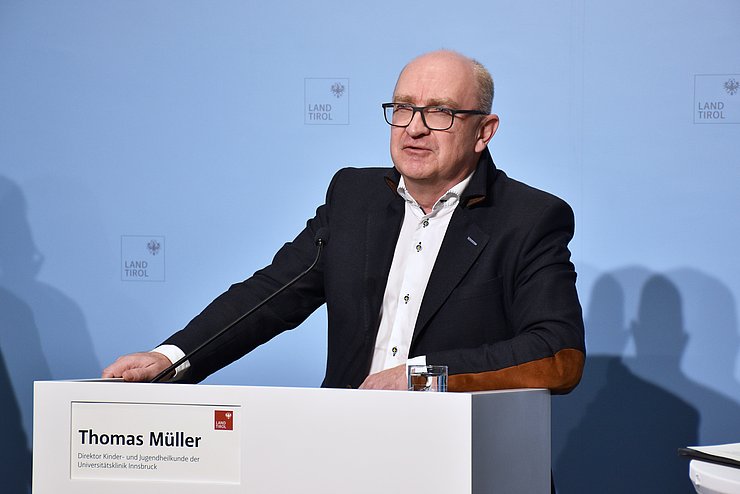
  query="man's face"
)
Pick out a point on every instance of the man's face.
point(438, 159)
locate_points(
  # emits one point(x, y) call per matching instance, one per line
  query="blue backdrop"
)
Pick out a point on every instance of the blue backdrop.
point(140, 142)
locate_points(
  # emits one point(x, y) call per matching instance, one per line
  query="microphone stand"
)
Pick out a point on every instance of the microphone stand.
point(319, 242)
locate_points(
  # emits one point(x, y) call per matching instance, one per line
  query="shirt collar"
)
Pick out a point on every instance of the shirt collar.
point(448, 199)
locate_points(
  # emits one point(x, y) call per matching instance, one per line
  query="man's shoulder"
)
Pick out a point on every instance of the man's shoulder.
point(508, 191)
point(364, 173)
point(362, 182)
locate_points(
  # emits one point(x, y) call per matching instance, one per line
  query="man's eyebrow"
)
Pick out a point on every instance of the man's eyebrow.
point(446, 102)
point(402, 99)
point(443, 102)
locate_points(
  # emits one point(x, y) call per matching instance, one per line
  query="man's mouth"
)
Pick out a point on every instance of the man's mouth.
point(416, 149)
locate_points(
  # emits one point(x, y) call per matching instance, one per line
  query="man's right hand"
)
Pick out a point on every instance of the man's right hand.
point(138, 367)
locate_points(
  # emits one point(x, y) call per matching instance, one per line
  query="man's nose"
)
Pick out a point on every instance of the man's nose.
point(416, 127)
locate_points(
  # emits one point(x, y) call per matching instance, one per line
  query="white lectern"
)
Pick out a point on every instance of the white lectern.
point(115, 437)
point(710, 478)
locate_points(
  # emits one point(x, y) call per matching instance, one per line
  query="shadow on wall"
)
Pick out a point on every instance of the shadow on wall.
point(43, 334)
point(619, 430)
point(15, 457)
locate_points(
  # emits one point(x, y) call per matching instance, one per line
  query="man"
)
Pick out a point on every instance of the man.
point(442, 259)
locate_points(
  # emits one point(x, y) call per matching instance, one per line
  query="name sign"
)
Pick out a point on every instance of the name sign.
point(151, 441)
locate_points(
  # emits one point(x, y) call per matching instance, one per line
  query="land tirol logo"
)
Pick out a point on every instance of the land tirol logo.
point(326, 101)
point(142, 258)
point(223, 420)
point(716, 98)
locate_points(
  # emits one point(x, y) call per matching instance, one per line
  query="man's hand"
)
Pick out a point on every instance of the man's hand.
point(139, 367)
point(393, 378)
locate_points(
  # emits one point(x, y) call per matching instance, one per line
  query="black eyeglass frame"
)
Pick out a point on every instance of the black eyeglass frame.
point(421, 109)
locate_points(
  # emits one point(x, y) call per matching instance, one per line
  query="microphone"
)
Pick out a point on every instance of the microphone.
point(320, 240)
point(321, 237)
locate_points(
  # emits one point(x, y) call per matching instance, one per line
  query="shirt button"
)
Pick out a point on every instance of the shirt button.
point(425, 223)
point(406, 298)
point(418, 247)
point(394, 350)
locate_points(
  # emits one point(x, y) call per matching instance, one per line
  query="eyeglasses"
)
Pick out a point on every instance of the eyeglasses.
point(434, 117)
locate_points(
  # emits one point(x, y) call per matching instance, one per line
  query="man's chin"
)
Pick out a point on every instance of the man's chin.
point(414, 171)
point(414, 166)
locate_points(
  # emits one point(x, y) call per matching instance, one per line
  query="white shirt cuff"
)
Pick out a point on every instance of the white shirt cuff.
point(420, 360)
point(174, 353)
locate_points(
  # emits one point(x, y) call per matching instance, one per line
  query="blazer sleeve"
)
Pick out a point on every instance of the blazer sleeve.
point(547, 348)
point(284, 312)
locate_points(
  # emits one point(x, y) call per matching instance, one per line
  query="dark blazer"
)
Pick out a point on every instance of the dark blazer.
point(500, 309)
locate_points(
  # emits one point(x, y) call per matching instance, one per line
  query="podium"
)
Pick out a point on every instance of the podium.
point(116, 437)
point(711, 478)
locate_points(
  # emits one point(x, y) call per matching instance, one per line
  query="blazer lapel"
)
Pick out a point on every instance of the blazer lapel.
point(463, 243)
point(383, 228)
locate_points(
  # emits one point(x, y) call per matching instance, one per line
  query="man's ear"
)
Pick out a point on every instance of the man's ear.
point(486, 129)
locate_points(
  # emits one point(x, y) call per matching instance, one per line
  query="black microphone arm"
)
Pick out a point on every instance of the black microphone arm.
point(320, 239)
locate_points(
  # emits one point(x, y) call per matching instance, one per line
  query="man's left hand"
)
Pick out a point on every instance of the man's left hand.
point(393, 378)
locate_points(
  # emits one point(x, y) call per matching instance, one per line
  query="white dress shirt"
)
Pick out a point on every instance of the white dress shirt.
point(416, 252)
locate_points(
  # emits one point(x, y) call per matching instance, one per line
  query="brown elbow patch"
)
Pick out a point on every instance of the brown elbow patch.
point(559, 373)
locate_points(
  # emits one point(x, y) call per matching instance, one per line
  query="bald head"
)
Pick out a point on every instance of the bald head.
point(466, 70)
